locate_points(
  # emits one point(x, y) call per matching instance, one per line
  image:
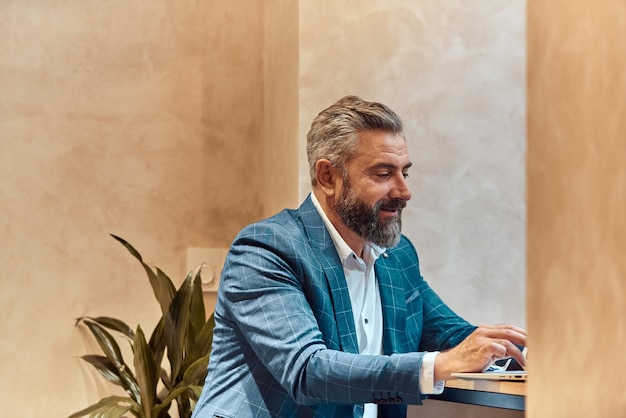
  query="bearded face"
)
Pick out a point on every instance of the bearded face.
point(366, 221)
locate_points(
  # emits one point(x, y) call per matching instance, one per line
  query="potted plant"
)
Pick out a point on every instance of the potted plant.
point(183, 334)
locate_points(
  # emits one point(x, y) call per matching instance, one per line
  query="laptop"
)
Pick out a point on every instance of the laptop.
point(516, 375)
point(504, 369)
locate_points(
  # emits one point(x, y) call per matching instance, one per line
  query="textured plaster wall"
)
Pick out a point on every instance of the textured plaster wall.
point(136, 118)
point(455, 72)
point(577, 208)
point(280, 107)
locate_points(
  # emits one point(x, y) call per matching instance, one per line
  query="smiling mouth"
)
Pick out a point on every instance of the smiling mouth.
point(390, 213)
point(394, 206)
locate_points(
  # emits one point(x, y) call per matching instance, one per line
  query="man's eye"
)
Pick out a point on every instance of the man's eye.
point(405, 175)
point(383, 175)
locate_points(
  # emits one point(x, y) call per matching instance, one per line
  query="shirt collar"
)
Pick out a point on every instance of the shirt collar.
point(343, 249)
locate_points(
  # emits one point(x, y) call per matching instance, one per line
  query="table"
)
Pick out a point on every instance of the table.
point(494, 393)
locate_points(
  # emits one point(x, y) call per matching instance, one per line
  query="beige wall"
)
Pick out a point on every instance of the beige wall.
point(280, 107)
point(577, 208)
point(175, 123)
point(136, 118)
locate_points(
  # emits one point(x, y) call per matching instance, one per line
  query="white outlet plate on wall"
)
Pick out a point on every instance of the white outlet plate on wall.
point(211, 261)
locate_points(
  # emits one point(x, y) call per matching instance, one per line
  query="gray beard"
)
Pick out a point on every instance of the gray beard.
point(365, 220)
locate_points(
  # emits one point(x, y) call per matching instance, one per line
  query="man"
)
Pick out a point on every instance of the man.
point(322, 311)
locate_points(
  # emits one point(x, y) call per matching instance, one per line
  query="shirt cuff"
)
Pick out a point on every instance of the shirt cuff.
point(428, 386)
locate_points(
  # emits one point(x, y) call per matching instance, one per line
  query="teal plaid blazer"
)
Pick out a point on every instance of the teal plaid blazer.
point(285, 344)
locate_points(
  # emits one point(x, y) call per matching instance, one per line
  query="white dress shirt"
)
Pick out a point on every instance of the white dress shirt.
point(367, 307)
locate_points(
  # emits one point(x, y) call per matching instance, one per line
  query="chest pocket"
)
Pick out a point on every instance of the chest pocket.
point(414, 320)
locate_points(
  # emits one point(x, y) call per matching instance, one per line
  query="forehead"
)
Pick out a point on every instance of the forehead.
point(378, 147)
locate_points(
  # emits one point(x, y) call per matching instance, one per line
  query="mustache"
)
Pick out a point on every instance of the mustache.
point(393, 204)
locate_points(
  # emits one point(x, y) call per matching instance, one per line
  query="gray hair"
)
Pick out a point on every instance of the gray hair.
point(335, 131)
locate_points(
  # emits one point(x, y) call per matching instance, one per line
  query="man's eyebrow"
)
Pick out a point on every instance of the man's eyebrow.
point(390, 166)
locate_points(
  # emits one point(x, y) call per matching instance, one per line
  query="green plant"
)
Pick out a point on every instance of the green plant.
point(183, 333)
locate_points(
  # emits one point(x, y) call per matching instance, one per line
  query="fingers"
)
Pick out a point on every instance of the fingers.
point(494, 351)
point(514, 351)
point(504, 328)
point(502, 341)
point(483, 346)
point(508, 332)
point(499, 349)
point(503, 348)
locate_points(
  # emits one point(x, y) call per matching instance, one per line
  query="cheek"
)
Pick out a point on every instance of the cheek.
point(371, 190)
point(375, 193)
point(365, 195)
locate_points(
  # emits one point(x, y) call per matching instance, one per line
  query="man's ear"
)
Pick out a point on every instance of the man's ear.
point(326, 175)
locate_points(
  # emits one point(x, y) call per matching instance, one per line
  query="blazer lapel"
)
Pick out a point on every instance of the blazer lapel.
point(394, 305)
point(331, 264)
point(341, 301)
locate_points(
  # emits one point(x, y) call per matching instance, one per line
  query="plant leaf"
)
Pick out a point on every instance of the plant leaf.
point(201, 345)
point(197, 319)
point(165, 378)
point(110, 407)
point(162, 286)
point(157, 340)
point(114, 324)
point(182, 331)
point(105, 367)
point(196, 373)
point(197, 314)
point(165, 404)
point(168, 284)
point(147, 372)
point(112, 350)
point(176, 324)
point(106, 342)
point(196, 390)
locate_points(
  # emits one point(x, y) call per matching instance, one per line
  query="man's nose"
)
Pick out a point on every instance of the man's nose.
point(401, 189)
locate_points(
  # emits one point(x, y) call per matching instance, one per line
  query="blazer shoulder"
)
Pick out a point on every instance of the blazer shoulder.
point(295, 225)
point(287, 219)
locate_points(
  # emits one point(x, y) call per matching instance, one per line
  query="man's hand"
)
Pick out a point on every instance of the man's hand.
point(483, 346)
